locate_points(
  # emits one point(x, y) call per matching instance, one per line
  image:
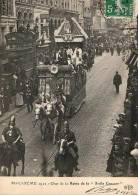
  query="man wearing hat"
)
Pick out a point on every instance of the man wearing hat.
point(71, 140)
point(117, 81)
point(121, 119)
point(13, 136)
point(29, 99)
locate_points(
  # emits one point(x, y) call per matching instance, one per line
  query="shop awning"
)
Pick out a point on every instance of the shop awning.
point(133, 59)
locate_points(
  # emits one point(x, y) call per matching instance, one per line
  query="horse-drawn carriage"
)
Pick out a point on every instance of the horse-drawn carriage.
point(63, 83)
point(67, 91)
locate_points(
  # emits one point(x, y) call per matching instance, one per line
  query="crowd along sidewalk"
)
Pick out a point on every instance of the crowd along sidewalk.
point(13, 110)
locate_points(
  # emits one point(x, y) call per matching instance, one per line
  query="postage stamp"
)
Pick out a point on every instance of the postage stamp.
point(119, 8)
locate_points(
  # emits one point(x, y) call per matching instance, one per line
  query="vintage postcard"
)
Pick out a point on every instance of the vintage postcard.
point(68, 97)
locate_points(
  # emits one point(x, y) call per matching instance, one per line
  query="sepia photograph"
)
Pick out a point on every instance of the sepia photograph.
point(69, 88)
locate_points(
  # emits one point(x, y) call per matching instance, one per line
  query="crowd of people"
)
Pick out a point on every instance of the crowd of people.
point(112, 42)
point(70, 56)
point(17, 91)
point(123, 159)
point(23, 95)
point(124, 153)
point(5, 99)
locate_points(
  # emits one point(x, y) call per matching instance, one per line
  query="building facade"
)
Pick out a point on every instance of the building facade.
point(41, 16)
point(81, 12)
point(24, 13)
point(45, 15)
point(7, 19)
point(62, 8)
point(98, 20)
point(87, 17)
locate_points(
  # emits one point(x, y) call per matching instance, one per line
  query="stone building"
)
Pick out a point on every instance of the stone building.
point(24, 13)
point(87, 17)
point(41, 16)
point(7, 19)
point(98, 20)
point(59, 9)
point(81, 4)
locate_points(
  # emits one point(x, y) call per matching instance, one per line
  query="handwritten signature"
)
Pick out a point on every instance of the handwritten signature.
point(103, 189)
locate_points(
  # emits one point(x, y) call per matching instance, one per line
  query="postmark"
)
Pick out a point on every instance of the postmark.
point(119, 8)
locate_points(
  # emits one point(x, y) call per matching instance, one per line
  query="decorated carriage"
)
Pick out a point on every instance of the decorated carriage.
point(64, 82)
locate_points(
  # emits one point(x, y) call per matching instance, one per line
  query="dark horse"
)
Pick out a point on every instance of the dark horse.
point(46, 128)
point(7, 159)
point(64, 161)
point(49, 124)
point(41, 116)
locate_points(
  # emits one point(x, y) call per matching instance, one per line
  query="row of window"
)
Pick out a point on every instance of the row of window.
point(24, 1)
point(6, 7)
point(65, 4)
point(87, 9)
point(24, 15)
point(54, 23)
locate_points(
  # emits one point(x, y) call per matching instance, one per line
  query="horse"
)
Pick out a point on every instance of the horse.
point(64, 161)
point(39, 114)
point(7, 159)
point(50, 120)
point(46, 128)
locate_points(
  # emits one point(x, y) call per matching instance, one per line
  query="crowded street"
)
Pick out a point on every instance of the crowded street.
point(68, 89)
point(92, 125)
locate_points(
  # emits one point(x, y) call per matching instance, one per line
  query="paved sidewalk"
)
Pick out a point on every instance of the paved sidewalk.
point(7, 115)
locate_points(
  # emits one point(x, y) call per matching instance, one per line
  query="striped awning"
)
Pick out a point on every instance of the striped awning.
point(133, 59)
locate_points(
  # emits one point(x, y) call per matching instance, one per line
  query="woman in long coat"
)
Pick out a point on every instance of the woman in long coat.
point(19, 95)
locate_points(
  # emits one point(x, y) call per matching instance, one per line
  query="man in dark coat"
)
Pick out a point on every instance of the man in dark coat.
point(117, 81)
point(29, 99)
point(13, 136)
point(69, 136)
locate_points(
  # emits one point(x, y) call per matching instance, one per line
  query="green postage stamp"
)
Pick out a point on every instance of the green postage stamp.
point(122, 8)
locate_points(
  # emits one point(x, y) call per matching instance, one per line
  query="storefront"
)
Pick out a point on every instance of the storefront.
point(21, 51)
